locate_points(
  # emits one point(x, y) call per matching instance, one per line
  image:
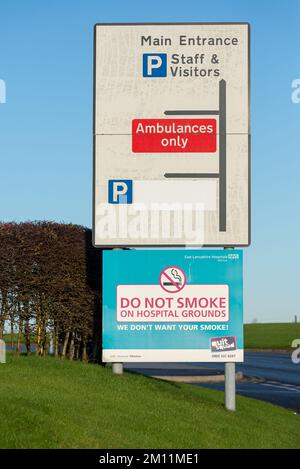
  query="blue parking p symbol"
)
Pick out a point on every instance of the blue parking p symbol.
point(120, 191)
point(154, 65)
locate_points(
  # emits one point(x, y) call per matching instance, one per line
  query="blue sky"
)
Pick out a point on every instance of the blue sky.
point(46, 124)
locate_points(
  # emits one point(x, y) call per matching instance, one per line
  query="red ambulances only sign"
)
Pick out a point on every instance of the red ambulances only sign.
point(174, 135)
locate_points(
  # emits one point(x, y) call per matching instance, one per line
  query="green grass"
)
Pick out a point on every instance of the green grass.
point(271, 336)
point(50, 403)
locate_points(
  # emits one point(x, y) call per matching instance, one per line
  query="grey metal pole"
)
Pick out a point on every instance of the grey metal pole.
point(2, 351)
point(117, 368)
point(230, 386)
point(230, 381)
point(51, 345)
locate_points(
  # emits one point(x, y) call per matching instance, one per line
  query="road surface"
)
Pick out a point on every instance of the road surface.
point(273, 377)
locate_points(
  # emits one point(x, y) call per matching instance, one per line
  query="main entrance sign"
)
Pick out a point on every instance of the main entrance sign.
point(175, 305)
point(171, 135)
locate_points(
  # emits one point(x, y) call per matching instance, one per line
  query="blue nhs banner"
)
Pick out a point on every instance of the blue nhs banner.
point(154, 65)
point(173, 306)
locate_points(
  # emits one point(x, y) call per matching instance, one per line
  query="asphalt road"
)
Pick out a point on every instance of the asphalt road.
point(271, 376)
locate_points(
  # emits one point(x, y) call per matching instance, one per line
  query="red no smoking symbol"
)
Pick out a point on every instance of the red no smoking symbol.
point(172, 279)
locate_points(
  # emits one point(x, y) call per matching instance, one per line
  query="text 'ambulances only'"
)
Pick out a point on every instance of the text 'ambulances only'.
point(174, 135)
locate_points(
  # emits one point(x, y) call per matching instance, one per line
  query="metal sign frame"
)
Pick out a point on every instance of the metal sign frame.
point(221, 112)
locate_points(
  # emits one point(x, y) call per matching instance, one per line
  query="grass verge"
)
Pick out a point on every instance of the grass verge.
point(50, 403)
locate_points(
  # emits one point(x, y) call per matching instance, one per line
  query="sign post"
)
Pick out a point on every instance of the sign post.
point(172, 169)
point(117, 368)
point(230, 386)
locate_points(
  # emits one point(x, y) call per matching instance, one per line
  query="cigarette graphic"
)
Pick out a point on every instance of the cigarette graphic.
point(176, 276)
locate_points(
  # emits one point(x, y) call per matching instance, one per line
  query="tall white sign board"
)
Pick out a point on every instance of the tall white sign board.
point(171, 135)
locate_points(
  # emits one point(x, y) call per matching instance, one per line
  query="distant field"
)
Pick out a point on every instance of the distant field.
point(51, 403)
point(271, 336)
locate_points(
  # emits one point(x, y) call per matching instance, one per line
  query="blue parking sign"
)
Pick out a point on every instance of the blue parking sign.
point(154, 65)
point(120, 191)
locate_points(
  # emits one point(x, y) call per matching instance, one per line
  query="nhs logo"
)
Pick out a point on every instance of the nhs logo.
point(120, 191)
point(154, 65)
